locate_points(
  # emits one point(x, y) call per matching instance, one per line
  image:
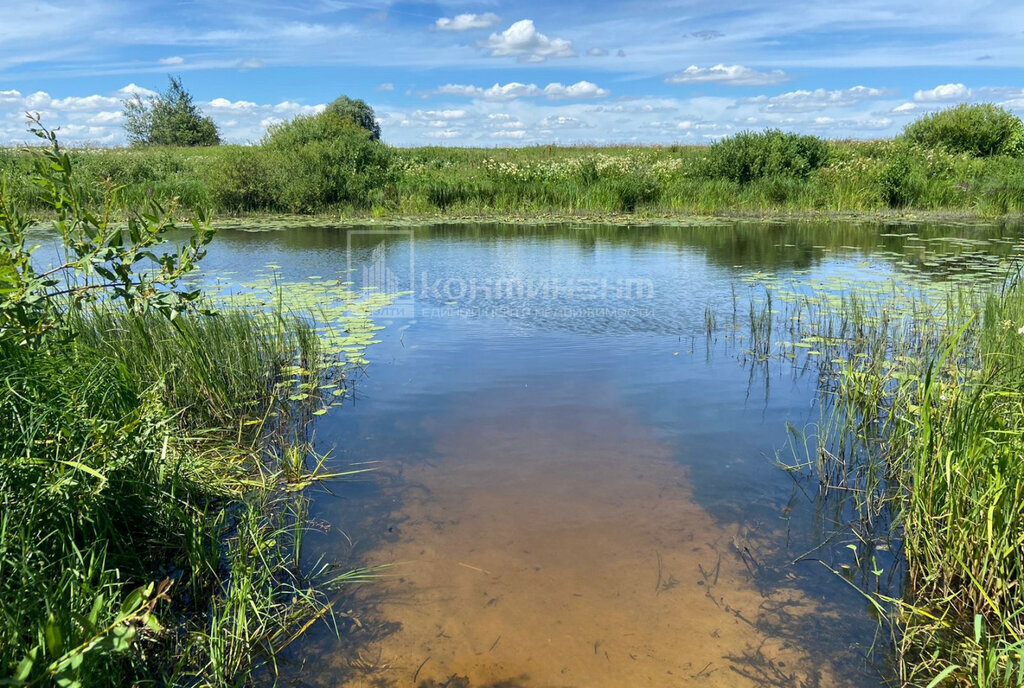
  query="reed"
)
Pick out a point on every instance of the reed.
point(921, 436)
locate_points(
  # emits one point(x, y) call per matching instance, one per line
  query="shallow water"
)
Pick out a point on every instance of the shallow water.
point(576, 485)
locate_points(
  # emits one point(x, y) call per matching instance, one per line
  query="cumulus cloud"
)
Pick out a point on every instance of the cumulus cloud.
point(525, 43)
point(467, 22)
point(581, 89)
point(132, 90)
point(732, 75)
point(514, 89)
point(819, 99)
point(386, 87)
point(943, 93)
point(171, 61)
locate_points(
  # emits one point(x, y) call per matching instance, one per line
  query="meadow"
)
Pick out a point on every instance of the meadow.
point(777, 175)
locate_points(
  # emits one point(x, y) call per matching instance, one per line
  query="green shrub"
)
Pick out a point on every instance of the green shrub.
point(1015, 145)
point(242, 179)
point(326, 159)
point(772, 153)
point(979, 130)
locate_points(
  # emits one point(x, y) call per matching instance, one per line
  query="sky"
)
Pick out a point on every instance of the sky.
point(495, 73)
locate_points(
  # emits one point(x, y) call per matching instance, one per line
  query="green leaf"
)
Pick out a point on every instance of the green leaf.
point(54, 637)
point(24, 668)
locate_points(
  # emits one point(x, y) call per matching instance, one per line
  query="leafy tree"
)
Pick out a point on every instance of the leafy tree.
point(168, 119)
point(357, 111)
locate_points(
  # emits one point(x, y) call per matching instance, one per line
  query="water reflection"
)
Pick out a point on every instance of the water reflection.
point(580, 495)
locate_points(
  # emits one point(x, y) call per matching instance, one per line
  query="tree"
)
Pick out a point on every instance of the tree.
point(357, 111)
point(168, 119)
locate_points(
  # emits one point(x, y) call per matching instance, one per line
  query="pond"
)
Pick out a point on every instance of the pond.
point(578, 477)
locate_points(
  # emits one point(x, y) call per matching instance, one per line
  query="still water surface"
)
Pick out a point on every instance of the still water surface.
point(578, 486)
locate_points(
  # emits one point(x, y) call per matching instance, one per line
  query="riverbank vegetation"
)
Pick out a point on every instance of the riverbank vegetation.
point(153, 455)
point(964, 161)
point(921, 437)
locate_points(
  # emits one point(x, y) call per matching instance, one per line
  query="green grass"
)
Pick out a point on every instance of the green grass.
point(852, 177)
point(921, 436)
point(153, 470)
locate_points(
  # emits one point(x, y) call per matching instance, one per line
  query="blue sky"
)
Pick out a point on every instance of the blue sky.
point(494, 73)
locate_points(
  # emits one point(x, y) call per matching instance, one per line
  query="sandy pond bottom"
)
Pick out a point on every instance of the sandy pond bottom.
point(566, 550)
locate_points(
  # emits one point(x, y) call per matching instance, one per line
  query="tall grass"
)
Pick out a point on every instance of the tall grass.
point(922, 435)
point(149, 469)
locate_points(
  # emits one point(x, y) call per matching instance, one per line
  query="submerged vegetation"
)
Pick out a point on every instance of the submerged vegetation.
point(966, 161)
point(153, 455)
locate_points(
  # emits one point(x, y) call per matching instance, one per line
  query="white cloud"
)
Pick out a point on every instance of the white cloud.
point(515, 89)
point(514, 134)
point(819, 99)
point(90, 103)
point(171, 61)
point(466, 22)
point(563, 122)
point(904, 108)
point(733, 75)
point(250, 63)
point(524, 42)
point(132, 90)
point(581, 89)
point(597, 52)
point(223, 104)
point(943, 93)
point(386, 87)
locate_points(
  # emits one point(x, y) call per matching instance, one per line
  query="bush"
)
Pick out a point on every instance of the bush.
point(242, 179)
point(325, 159)
point(772, 153)
point(978, 130)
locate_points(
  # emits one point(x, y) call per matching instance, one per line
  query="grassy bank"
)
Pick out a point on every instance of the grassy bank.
point(922, 429)
point(435, 183)
point(153, 456)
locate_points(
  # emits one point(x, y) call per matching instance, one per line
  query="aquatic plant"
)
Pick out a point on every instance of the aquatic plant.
point(921, 436)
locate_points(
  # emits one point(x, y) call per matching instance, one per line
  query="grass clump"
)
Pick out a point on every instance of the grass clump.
point(153, 456)
point(923, 433)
